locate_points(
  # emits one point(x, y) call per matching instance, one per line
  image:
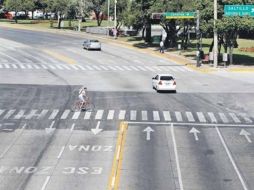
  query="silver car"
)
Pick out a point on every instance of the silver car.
point(92, 44)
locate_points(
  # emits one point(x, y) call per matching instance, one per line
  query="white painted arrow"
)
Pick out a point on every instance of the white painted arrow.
point(97, 130)
point(50, 129)
point(148, 131)
point(246, 134)
point(195, 132)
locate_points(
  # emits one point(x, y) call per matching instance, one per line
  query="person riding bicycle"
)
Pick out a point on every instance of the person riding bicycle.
point(82, 95)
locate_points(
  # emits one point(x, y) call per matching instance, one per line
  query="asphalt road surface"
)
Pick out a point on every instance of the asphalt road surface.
point(132, 138)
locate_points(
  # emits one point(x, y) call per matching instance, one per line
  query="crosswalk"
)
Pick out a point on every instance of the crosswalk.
point(76, 67)
point(128, 115)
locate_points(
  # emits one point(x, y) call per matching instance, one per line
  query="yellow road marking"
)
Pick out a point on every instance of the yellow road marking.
point(60, 57)
point(114, 178)
point(241, 69)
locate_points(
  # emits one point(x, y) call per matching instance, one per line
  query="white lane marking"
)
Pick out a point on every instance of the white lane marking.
point(141, 68)
point(7, 66)
point(112, 68)
point(74, 67)
point(20, 114)
point(76, 115)
point(13, 142)
point(36, 66)
point(43, 113)
point(45, 183)
point(166, 115)
point(99, 114)
point(121, 115)
point(53, 114)
point(212, 117)
point(156, 116)
point(89, 67)
point(190, 116)
point(246, 134)
point(110, 114)
point(81, 67)
point(14, 66)
point(87, 115)
point(1, 112)
point(201, 117)
point(29, 66)
point(73, 126)
point(245, 117)
point(9, 114)
point(235, 118)
point(126, 68)
point(66, 67)
point(52, 67)
point(133, 115)
point(61, 152)
point(59, 67)
point(44, 66)
point(119, 68)
point(178, 116)
point(223, 117)
point(134, 68)
point(231, 159)
point(65, 114)
point(148, 68)
point(144, 115)
point(177, 158)
point(105, 68)
point(97, 68)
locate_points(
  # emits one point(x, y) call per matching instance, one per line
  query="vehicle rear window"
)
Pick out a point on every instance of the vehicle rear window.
point(166, 78)
point(94, 41)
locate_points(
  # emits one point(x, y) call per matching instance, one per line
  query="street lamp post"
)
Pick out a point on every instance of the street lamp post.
point(108, 12)
point(215, 39)
point(115, 33)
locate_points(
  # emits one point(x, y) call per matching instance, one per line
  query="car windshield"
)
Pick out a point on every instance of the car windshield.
point(166, 78)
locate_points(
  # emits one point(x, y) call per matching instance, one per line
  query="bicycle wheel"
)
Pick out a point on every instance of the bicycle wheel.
point(76, 106)
point(89, 107)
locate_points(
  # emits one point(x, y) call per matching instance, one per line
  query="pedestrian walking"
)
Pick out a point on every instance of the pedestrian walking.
point(161, 46)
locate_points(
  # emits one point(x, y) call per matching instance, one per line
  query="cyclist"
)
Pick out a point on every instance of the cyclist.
point(82, 95)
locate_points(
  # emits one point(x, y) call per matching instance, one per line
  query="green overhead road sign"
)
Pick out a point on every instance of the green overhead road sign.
point(239, 10)
point(179, 15)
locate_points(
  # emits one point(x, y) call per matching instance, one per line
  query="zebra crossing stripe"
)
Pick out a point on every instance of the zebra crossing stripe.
point(126, 68)
point(119, 68)
point(1, 112)
point(235, 118)
point(9, 114)
point(87, 115)
point(99, 114)
point(7, 66)
point(134, 68)
point(65, 114)
point(54, 114)
point(178, 116)
point(245, 117)
point(121, 115)
point(141, 68)
point(144, 115)
point(201, 117)
point(44, 66)
point(42, 114)
point(149, 68)
point(212, 117)
point(110, 114)
point(156, 116)
point(89, 67)
point(76, 115)
point(1, 66)
point(14, 66)
point(59, 67)
point(166, 115)
point(74, 67)
point(105, 68)
point(20, 114)
point(190, 117)
point(156, 68)
point(81, 67)
point(223, 118)
point(29, 66)
point(36, 66)
point(133, 115)
point(52, 67)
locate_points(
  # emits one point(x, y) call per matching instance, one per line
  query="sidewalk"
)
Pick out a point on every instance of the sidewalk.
point(176, 58)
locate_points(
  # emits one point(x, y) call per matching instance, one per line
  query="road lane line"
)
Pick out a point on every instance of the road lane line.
point(223, 118)
point(177, 158)
point(114, 177)
point(212, 117)
point(133, 115)
point(110, 114)
point(60, 56)
point(178, 116)
point(144, 115)
point(166, 115)
point(61, 152)
point(190, 116)
point(13, 142)
point(45, 183)
point(201, 117)
point(156, 116)
point(121, 115)
point(99, 114)
point(72, 127)
point(235, 118)
point(231, 159)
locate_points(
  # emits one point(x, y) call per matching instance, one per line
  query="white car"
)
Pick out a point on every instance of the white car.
point(164, 82)
point(92, 44)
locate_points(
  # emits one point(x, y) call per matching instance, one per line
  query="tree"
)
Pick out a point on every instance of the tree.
point(15, 5)
point(96, 7)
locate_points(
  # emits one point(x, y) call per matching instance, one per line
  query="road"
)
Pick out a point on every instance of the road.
point(199, 138)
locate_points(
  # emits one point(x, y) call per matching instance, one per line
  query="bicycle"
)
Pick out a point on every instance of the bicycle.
point(80, 106)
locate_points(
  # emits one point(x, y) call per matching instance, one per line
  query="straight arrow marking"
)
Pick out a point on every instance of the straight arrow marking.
point(148, 131)
point(246, 134)
point(50, 128)
point(195, 133)
point(96, 130)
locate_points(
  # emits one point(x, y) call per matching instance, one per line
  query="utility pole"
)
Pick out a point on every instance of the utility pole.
point(115, 34)
point(108, 11)
point(215, 39)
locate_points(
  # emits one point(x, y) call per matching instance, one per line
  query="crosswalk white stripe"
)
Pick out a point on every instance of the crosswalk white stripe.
point(7, 66)
point(54, 114)
point(121, 115)
point(148, 68)
point(190, 117)
point(81, 67)
point(66, 66)
point(110, 114)
point(235, 118)
point(105, 68)
point(87, 115)
point(76, 115)
point(99, 114)
point(212, 117)
point(9, 114)
point(178, 116)
point(142, 68)
point(156, 116)
point(74, 67)
point(112, 68)
point(52, 67)
point(20, 114)
point(1, 112)
point(43, 113)
point(166, 115)
point(173, 68)
point(223, 118)
point(35, 113)
point(126, 68)
point(245, 117)
point(14, 66)
point(1, 66)
point(29, 66)
point(133, 115)
point(134, 68)
point(65, 114)
point(44, 66)
point(181, 68)
point(97, 68)
point(36, 66)
point(144, 115)
point(156, 68)
point(59, 66)
point(201, 117)
point(119, 68)
point(89, 67)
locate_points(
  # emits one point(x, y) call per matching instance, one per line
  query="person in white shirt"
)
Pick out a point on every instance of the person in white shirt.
point(161, 47)
point(82, 95)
